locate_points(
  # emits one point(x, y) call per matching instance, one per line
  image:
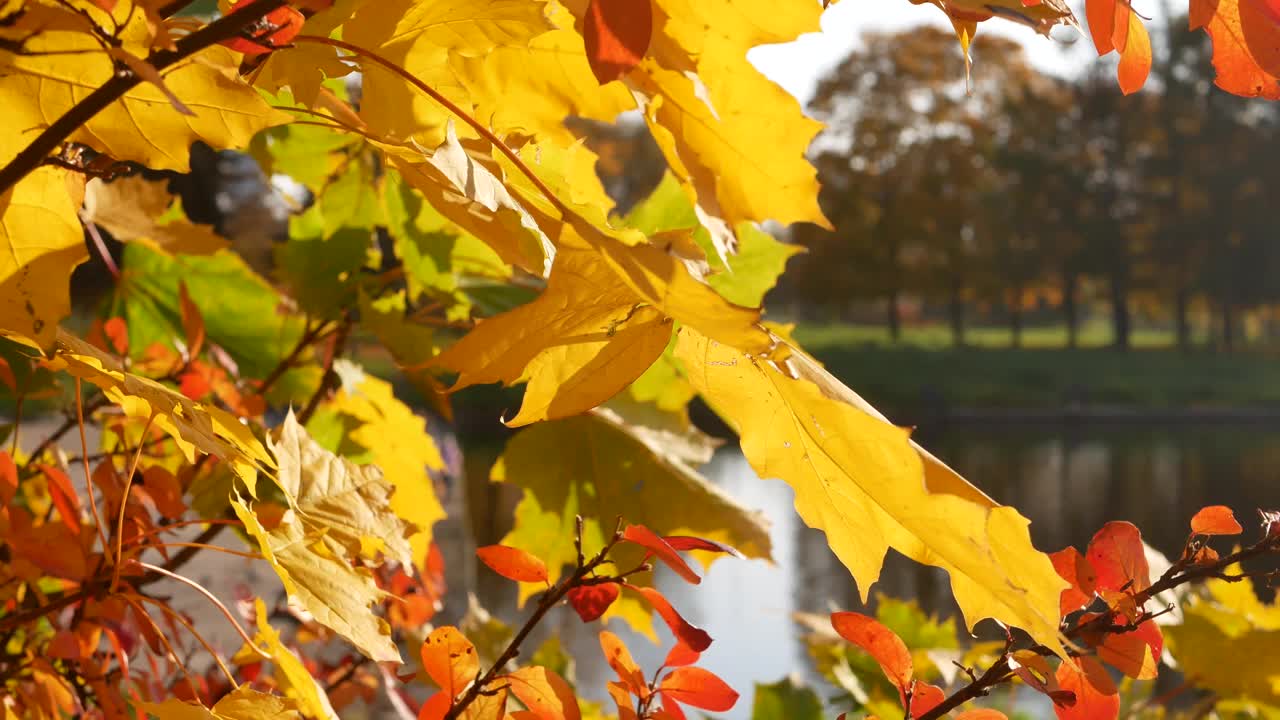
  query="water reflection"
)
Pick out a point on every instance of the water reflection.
point(1067, 480)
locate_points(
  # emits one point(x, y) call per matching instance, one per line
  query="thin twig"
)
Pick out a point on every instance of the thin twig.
point(124, 503)
point(88, 476)
point(546, 602)
point(1180, 573)
point(211, 598)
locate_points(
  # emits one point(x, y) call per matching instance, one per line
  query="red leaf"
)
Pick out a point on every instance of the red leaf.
point(1246, 44)
point(1118, 559)
point(118, 334)
point(1215, 520)
point(1101, 16)
point(450, 660)
point(436, 707)
point(982, 714)
point(695, 637)
point(1073, 568)
point(925, 697)
point(8, 479)
point(686, 542)
point(64, 497)
point(1133, 653)
point(879, 642)
point(545, 693)
point(617, 36)
point(646, 538)
point(192, 321)
point(592, 601)
point(1096, 697)
point(513, 563)
point(699, 688)
point(619, 658)
point(275, 30)
point(681, 655)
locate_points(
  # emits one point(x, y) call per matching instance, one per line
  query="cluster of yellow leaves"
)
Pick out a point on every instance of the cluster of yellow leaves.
point(496, 163)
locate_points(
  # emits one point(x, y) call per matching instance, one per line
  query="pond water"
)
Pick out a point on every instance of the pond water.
point(1068, 480)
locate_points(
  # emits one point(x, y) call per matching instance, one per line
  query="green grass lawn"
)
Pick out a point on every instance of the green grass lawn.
point(925, 370)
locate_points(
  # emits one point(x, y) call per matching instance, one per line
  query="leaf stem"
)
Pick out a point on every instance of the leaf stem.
point(211, 598)
point(124, 504)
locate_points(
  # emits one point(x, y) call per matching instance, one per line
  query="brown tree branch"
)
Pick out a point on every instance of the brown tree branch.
point(125, 80)
point(582, 575)
point(1178, 574)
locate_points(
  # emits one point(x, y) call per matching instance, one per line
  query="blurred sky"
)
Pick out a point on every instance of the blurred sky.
point(797, 66)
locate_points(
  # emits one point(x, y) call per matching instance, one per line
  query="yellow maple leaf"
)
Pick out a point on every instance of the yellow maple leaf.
point(60, 69)
point(404, 451)
point(291, 675)
point(242, 703)
point(475, 199)
point(41, 242)
point(736, 137)
point(423, 37)
point(133, 208)
point(860, 480)
point(338, 512)
point(578, 344)
point(193, 426)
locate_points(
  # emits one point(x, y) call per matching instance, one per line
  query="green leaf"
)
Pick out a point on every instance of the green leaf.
point(242, 312)
point(753, 269)
point(786, 699)
point(435, 252)
point(322, 272)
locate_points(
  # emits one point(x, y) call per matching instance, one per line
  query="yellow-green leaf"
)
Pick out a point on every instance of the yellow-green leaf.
point(290, 674)
point(338, 511)
point(41, 242)
point(860, 480)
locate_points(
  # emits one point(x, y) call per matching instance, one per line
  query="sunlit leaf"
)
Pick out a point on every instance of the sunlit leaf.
point(513, 563)
point(1215, 520)
point(242, 703)
point(40, 244)
point(450, 659)
point(339, 511)
point(295, 681)
point(62, 68)
point(1118, 559)
point(861, 481)
point(878, 641)
point(699, 688)
point(545, 693)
